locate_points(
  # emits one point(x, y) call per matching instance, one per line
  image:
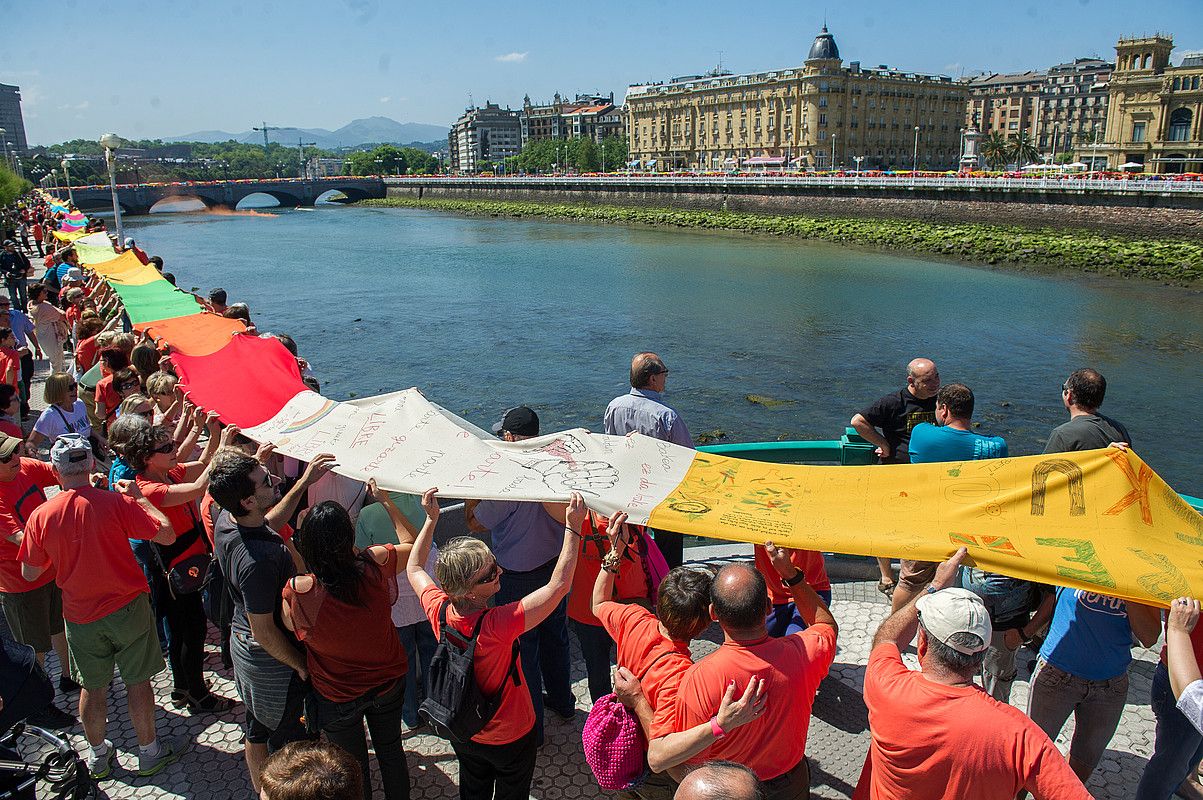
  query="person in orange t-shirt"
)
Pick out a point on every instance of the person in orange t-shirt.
point(773, 745)
point(784, 619)
point(935, 734)
point(653, 657)
point(499, 761)
point(632, 584)
point(10, 359)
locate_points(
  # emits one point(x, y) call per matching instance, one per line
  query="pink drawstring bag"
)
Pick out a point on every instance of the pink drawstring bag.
point(615, 748)
point(657, 567)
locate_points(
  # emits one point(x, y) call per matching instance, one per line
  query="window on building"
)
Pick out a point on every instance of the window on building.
point(1180, 125)
point(1138, 131)
point(822, 119)
point(1177, 84)
point(822, 102)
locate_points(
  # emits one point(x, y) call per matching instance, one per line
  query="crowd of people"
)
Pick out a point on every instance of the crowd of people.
point(336, 612)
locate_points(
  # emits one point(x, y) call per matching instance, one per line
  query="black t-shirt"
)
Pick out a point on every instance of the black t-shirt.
point(256, 565)
point(896, 415)
point(1086, 432)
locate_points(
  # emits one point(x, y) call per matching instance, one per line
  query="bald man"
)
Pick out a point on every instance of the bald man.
point(773, 745)
point(720, 780)
point(643, 410)
point(896, 415)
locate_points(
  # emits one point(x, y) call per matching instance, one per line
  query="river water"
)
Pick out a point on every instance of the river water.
point(486, 313)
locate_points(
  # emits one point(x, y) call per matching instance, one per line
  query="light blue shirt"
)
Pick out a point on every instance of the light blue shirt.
point(525, 536)
point(642, 410)
point(21, 325)
point(930, 443)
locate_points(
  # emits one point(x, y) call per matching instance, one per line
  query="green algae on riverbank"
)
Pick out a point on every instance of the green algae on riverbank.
point(1174, 260)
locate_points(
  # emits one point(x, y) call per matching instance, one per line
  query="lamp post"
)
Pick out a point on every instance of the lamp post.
point(858, 159)
point(915, 157)
point(960, 146)
point(1056, 134)
point(110, 142)
point(4, 142)
point(67, 179)
point(833, 151)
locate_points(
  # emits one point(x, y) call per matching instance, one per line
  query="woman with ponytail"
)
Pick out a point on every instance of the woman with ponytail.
point(340, 610)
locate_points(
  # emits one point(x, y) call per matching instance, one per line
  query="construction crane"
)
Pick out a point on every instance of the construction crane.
point(267, 128)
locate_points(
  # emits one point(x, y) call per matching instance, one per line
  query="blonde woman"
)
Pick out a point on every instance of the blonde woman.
point(65, 412)
point(499, 761)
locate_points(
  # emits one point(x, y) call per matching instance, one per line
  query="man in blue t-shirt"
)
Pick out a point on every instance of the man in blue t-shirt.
point(951, 439)
point(1083, 670)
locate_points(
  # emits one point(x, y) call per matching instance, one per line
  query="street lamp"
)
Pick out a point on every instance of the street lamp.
point(915, 157)
point(4, 142)
point(833, 151)
point(67, 179)
point(1056, 134)
point(110, 142)
point(858, 159)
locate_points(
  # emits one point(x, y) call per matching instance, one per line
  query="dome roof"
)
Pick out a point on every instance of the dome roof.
point(824, 47)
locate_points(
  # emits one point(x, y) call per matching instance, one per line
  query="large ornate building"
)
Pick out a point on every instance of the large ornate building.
point(820, 114)
point(1155, 115)
point(587, 117)
point(489, 134)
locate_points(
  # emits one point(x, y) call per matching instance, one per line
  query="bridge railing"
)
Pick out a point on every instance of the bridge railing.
point(1064, 185)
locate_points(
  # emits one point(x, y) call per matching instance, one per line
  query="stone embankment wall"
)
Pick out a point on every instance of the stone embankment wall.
point(1160, 216)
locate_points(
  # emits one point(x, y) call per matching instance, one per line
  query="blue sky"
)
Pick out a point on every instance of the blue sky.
point(178, 67)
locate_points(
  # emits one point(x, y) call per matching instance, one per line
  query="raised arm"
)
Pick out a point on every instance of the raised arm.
point(1180, 653)
point(406, 534)
point(282, 511)
point(603, 587)
point(810, 606)
point(538, 605)
point(197, 472)
point(1145, 622)
point(415, 570)
point(900, 627)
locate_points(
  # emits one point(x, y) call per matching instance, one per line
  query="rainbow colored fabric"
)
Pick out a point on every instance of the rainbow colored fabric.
point(1099, 520)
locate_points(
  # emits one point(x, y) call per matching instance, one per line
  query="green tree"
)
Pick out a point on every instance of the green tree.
point(384, 160)
point(12, 185)
point(996, 150)
point(1023, 149)
point(1066, 157)
point(614, 152)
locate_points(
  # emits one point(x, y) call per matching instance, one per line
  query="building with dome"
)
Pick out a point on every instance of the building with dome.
point(822, 114)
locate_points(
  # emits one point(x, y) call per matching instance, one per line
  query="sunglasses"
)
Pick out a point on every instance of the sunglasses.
point(8, 458)
point(121, 387)
point(493, 575)
point(164, 449)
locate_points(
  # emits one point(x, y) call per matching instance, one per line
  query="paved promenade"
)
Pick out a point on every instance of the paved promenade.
point(837, 743)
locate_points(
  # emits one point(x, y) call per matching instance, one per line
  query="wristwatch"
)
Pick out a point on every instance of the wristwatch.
point(799, 576)
point(715, 729)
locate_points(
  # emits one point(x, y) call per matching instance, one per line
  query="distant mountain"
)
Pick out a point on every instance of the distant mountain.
point(356, 132)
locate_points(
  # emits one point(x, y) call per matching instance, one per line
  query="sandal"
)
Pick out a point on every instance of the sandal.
point(209, 704)
point(887, 588)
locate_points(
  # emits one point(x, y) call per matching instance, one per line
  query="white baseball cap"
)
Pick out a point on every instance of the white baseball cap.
point(950, 611)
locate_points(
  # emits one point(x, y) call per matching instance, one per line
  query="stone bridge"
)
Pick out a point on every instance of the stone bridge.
point(290, 192)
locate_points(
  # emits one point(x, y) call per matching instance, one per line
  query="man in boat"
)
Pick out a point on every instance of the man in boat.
point(643, 410)
point(888, 423)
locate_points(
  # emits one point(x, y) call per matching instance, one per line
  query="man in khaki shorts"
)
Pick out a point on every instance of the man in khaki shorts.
point(83, 532)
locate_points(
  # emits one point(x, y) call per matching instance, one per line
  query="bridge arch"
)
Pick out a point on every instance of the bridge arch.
point(180, 203)
point(352, 193)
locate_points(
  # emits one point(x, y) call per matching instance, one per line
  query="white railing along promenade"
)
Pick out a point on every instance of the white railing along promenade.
point(1061, 185)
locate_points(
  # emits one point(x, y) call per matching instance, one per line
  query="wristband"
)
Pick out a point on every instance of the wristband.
point(715, 729)
point(799, 576)
point(570, 530)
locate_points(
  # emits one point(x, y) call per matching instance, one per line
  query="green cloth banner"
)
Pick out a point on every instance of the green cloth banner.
point(156, 301)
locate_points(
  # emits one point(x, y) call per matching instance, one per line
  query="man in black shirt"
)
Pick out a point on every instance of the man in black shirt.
point(269, 666)
point(896, 415)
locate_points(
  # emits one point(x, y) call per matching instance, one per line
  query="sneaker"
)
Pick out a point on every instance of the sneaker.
point(52, 717)
point(170, 751)
point(101, 767)
point(68, 686)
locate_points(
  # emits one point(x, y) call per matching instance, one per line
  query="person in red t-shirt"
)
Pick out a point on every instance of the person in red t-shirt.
point(935, 733)
point(498, 762)
point(10, 411)
point(653, 656)
point(631, 585)
point(784, 618)
point(34, 610)
point(83, 533)
point(341, 611)
point(10, 359)
point(774, 745)
point(174, 488)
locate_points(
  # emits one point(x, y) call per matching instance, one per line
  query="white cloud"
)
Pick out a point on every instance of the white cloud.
point(513, 58)
point(76, 107)
point(384, 99)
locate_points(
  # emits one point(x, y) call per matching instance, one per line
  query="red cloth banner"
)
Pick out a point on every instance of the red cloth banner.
point(247, 381)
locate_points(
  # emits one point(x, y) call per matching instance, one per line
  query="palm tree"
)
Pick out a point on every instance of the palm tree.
point(996, 150)
point(1023, 149)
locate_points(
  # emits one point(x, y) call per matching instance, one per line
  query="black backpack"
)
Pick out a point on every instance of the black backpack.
point(455, 705)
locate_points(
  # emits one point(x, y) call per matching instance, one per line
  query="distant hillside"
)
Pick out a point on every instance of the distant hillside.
point(354, 133)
